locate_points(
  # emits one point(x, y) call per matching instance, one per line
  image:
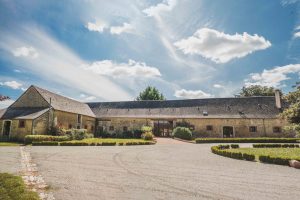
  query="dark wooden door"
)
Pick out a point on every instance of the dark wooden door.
point(6, 128)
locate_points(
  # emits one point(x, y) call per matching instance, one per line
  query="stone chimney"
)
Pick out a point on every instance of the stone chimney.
point(277, 99)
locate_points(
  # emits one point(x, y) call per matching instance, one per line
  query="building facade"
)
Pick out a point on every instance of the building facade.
point(37, 110)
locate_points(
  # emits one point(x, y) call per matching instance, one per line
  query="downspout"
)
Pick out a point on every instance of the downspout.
point(49, 116)
point(265, 133)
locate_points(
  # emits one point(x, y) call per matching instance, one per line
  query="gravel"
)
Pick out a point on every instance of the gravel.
point(10, 159)
point(167, 170)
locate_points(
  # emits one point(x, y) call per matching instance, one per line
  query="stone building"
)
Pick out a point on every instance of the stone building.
point(38, 109)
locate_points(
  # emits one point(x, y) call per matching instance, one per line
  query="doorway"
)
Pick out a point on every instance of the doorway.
point(227, 131)
point(6, 128)
point(163, 128)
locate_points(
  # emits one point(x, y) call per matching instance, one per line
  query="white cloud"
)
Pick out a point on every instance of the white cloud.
point(132, 69)
point(98, 26)
point(218, 86)
point(166, 5)
point(221, 47)
point(125, 28)
point(12, 84)
point(25, 52)
point(85, 97)
point(6, 103)
point(297, 35)
point(191, 94)
point(273, 77)
point(59, 65)
point(17, 71)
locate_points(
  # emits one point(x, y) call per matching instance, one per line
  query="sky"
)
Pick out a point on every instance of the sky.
point(98, 50)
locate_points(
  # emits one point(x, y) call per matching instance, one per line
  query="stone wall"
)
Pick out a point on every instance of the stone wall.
point(20, 133)
point(264, 127)
point(31, 98)
point(69, 120)
point(40, 124)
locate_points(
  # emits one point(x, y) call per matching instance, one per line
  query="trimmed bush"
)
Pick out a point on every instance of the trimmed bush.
point(78, 134)
point(248, 157)
point(274, 160)
point(108, 143)
point(275, 145)
point(71, 143)
point(39, 138)
point(121, 143)
point(45, 143)
point(182, 133)
point(147, 136)
point(247, 140)
point(234, 146)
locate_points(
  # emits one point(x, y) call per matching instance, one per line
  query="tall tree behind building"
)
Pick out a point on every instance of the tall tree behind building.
point(150, 93)
point(257, 90)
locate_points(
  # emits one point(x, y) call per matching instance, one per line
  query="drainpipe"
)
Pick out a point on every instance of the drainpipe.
point(265, 133)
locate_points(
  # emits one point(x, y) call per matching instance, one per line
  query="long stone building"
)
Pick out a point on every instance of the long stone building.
point(37, 110)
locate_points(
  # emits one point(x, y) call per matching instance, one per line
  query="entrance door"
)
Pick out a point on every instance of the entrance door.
point(163, 128)
point(227, 131)
point(6, 128)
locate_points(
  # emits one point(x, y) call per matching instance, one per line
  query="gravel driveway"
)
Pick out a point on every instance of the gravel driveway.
point(168, 170)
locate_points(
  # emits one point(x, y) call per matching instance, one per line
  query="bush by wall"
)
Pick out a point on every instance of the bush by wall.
point(78, 134)
point(45, 143)
point(275, 145)
point(221, 150)
point(147, 136)
point(246, 140)
point(39, 138)
point(182, 133)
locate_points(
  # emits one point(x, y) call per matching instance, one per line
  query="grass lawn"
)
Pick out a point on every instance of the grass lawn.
point(13, 188)
point(117, 140)
point(292, 153)
point(4, 144)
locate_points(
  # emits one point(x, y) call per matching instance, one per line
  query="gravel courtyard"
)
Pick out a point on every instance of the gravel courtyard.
point(168, 170)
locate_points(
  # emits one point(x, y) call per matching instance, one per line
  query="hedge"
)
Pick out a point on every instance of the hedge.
point(275, 145)
point(71, 143)
point(39, 138)
point(274, 160)
point(246, 140)
point(45, 143)
point(221, 150)
point(182, 133)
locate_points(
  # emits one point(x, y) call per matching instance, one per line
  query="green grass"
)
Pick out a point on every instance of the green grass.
point(117, 140)
point(13, 188)
point(4, 144)
point(292, 153)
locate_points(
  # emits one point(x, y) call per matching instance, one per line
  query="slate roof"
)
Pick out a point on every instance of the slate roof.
point(62, 103)
point(22, 113)
point(237, 107)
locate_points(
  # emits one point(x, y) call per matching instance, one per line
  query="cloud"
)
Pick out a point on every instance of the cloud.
point(221, 47)
point(131, 69)
point(191, 94)
point(12, 84)
point(25, 52)
point(59, 65)
point(85, 97)
point(6, 103)
point(166, 5)
point(125, 28)
point(98, 26)
point(297, 35)
point(218, 86)
point(17, 71)
point(273, 77)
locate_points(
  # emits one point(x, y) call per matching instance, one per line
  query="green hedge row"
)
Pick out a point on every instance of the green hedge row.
point(221, 150)
point(39, 138)
point(247, 140)
point(274, 160)
point(78, 143)
point(275, 145)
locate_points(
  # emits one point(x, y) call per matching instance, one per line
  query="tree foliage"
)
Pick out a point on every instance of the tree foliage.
point(292, 113)
point(257, 90)
point(3, 98)
point(150, 93)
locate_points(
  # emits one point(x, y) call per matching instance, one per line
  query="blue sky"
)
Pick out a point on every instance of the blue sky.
point(94, 50)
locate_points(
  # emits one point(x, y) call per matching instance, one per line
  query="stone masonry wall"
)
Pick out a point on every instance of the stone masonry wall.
point(31, 98)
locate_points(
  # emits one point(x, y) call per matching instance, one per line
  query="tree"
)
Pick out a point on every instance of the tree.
point(3, 98)
point(292, 113)
point(150, 93)
point(257, 90)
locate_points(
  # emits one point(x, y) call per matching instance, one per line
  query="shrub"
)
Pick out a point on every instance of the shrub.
point(72, 143)
point(108, 143)
point(182, 133)
point(147, 136)
point(248, 157)
point(45, 143)
point(39, 138)
point(121, 143)
point(79, 134)
point(137, 133)
point(145, 129)
point(275, 145)
point(234, 146)
point(263, 158)
point(127, 134)
point(223, 146)
point(247, 140)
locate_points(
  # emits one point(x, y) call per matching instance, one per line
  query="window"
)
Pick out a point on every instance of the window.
point(22, 124)
point(78, 119)
point(92, 128)
point(252, 129)
point(111, 128)
point(78, 127)
point(85, 126)
point(70, 126)
point(276, 129)
point(125, 128)
point(209, 127)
